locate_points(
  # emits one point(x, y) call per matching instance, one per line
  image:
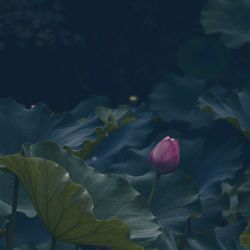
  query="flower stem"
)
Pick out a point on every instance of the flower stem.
point(154, 187)
point(12, 225)
point(53, 244)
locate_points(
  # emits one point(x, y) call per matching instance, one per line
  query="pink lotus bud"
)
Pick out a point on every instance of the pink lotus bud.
point(165, 156)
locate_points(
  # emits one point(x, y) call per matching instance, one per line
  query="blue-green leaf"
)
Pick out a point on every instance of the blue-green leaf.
point(230, 18)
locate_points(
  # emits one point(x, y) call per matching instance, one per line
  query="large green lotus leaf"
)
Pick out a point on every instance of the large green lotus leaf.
point(175, 98)
point(203, 58)
point(64, 206)
point(235, 109)
point(112, 196)
point(175, 201)
point(230, 18)
point(19, 125)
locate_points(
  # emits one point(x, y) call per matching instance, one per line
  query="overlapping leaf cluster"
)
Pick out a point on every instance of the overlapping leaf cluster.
point(56, 180)
point(85, 179)
point(84, 174)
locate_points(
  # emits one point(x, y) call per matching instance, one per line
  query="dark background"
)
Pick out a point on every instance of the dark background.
point(61, 52)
